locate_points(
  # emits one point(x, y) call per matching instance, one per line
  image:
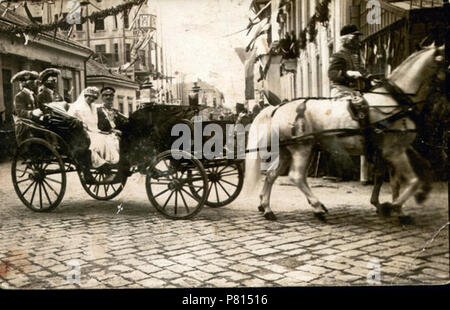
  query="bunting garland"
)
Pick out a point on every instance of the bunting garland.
point(35, 29)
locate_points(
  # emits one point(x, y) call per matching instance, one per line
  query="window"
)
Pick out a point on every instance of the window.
point(120, 100)
point(115, 21)
point(38, 19)
point(130, 108)
point(67, 89)
point(116, 51)
point(100, 49)
point(142, 57)
point(127, 52)
point(7, 95)
point(99, 24)
point(79, 27)
point(126, 23)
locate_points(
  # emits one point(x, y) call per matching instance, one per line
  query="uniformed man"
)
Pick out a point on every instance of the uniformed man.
point(345, 65)
point(109, 118)
point(48, 90)
point(25, 102)
point(345, 71)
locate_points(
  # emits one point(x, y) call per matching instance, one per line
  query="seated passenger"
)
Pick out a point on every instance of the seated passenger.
point(109, 119)
point(104, 146)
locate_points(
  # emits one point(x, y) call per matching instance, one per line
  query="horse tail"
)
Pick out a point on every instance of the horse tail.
point(259, 136)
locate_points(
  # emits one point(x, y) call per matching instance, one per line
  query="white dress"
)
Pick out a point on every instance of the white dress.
point(104, 146)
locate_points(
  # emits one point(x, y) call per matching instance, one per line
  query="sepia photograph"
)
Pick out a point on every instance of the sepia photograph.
point(255, 144)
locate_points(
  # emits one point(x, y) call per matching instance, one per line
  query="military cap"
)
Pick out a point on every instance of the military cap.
point(350, 29)
point(25, 75)
point(108, 89)
point(44, 75)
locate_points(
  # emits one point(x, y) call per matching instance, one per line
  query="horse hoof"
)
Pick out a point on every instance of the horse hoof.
point(270, 216)
point(261, 209)
point(384, 209)
point(320, 216)
point(405, 220)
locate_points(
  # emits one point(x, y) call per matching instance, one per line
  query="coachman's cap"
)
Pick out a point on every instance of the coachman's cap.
point(44, 75)
point(350, 29)
point(25, 75)
point(108, 90)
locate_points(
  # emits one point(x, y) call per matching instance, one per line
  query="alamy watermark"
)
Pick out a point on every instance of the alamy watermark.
point(73, 276)
point(373, 12)
point(211, 142)
point(74, 14)
point(374, 274)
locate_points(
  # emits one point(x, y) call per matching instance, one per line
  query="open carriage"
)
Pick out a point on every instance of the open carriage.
point(177, 183)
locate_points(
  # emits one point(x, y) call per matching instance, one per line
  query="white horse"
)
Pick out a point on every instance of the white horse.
point(394, 133)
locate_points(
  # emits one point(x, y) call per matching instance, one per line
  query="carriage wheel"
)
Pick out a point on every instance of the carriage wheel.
point(38, 174)
point(225, 184)
point(168, 184)
point(101, 190)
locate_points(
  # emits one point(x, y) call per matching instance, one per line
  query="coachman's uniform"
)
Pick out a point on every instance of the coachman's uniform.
point(341, 62)
point(47, 94)
point(25, 102)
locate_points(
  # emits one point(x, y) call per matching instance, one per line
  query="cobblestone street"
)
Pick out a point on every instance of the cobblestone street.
point(233, 246)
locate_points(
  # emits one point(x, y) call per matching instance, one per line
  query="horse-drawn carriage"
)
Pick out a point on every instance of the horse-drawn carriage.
point(177, 183)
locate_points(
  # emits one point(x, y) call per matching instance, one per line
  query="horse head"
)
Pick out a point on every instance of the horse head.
point(420, 70)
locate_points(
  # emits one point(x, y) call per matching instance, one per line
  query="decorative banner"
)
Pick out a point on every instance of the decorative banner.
point(35, 29)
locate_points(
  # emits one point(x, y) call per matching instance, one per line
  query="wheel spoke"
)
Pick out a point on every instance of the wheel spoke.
point(224, 189)
point(28, 188)
point(46, 194)
point(217, 192)
point(53, 180)
point(40, 195)
point(21, 181)
point(184, 202)
point(34, 192)
point(114, 189)
point(51, 188)
point(229, 183)
point(176, 201)
point(189, 194)
point(229, 174)
point(164, 191)
point(170, 196)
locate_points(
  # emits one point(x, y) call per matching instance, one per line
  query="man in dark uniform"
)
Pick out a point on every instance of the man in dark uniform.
point(25, 102)
point(345, 72)
point(109, 118)
point(345, 65)
point(48, 91)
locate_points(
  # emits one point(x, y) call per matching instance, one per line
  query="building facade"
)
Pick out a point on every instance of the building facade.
point(42, 51)
point(306, 74)
point(100, 76)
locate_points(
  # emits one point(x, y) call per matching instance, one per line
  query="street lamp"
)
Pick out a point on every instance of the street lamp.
point(193, 96)
point(148, 85)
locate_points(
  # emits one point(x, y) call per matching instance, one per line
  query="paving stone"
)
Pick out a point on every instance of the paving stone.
point(165, 275)
point(233, 275)
point(135, 275)
point(148, 268)
point(162, 262)
point(121, 268)
point(313, 269)
point(301, 276)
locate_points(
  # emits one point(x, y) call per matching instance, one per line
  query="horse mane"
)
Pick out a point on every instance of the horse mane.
point(408, 61)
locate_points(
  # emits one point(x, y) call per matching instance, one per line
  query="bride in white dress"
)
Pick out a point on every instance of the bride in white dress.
point(104, 146)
